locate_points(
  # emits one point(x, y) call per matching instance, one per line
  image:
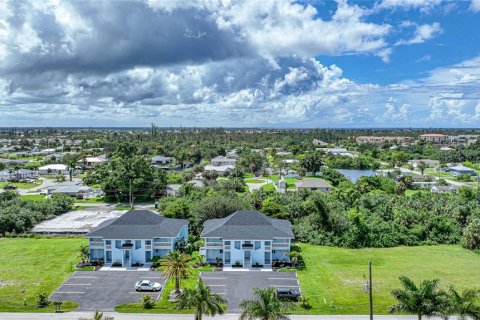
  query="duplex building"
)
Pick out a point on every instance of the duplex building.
point(429, 163)
point(53, 169)
point(135, 238)
point(247, 238)
point(162, 160)
point(15, 175)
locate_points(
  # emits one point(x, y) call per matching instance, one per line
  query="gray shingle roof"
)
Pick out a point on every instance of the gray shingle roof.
point(245, 224)
point(313, 183)
point(138, 224)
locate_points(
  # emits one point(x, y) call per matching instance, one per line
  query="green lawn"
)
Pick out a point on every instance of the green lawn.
point(19, 185)
point(91, 200)
point(248, 175)
point(254, 181)
point(268, 187)
point(434, 173)
point(336, 276)
point(35, 197)
point(31, 265)
point(163, 305)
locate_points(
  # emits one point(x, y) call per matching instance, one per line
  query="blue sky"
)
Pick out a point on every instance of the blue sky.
point(274, 63)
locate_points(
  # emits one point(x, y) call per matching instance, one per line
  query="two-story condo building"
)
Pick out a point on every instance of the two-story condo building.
point(135, 237)
point(248, 238)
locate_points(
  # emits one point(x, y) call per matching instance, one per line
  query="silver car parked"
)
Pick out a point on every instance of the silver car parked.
point(147, 285)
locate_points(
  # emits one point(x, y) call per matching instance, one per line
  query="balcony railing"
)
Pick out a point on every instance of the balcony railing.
point(96, 243)
point(227, 247)
point(214, 244)
point(162, 244)
point(148, 247)
point(108, 246)
point(281, 245)
point(268, 248)
point(247, 246)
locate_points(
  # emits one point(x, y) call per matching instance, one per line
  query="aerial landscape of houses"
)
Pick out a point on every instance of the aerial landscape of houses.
point(251, 160)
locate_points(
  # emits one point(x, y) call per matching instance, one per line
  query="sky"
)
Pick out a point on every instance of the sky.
point(248, 63)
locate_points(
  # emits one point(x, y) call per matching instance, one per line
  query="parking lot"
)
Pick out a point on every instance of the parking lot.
point(103, 290)
point(236, 286)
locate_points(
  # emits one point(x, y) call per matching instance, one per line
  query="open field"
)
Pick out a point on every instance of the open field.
point(31, 265)
point(335, 276)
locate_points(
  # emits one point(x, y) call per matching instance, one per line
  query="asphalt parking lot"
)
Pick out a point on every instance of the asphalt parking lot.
point(236, 285)
point(103, 290)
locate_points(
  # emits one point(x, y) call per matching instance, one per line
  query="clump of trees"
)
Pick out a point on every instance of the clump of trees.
point(427, 300)
point(19, 216)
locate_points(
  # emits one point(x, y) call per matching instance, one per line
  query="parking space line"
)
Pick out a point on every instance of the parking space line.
point(72, 292)
point(214, 278)
point(282, 279)
point(287, 286)
point(216, 285)
point(81, 277)
point(76, 284)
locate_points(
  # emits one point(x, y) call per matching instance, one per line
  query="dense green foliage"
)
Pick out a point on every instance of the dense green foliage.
point(18, 215)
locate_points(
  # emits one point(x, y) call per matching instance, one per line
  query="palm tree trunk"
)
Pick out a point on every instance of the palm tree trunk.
point(198, 315)
point(177, 285)
point(419, 317)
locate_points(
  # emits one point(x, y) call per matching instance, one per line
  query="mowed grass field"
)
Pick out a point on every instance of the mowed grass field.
point(31, 265)
point(334, 281)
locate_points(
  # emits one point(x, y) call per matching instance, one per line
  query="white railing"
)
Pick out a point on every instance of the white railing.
point(214, 244)
point(281, 245)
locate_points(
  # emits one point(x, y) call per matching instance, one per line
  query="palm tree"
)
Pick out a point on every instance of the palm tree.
point(464, 304)
point(264, 306)
point(424, 300)
point(177, 265)
point(203, 300)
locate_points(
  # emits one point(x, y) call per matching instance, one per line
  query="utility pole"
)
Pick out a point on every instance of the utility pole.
point(370, 288)
point(130, 198)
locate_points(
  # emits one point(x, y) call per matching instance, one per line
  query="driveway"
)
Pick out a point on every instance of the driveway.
point(236, 286)
point(103, 290)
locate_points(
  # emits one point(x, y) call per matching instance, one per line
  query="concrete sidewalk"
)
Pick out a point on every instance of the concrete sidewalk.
point(141, 316)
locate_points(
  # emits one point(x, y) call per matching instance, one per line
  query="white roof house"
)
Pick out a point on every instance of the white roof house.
point(219, 168)
point(313, 184)
point(53, 169)
point(223, 161)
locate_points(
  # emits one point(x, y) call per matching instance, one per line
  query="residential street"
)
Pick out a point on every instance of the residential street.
point(137, 316)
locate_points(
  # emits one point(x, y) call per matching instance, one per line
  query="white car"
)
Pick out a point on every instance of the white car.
point(147, 285)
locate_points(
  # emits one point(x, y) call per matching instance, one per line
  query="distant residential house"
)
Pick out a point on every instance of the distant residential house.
point(428, 162)
point(197, 183)
point(389, 172)
point(283, 153)
point(434, 137)
point(20, 174)
point(54, 157)
point(53, 169)
point(70, 188)
point(14, 162)
point(461, 169)
point(219, 169)
point(94, 161)
point(443, 189)
point(338, 151)
point(319, 143)
point(247, 238)
point(310, 184)
point(173, 190)
point(232, 154)
point(220, 161)
point(162, 160)
point(135, 238)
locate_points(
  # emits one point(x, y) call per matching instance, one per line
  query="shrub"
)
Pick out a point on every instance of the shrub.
point(42, 299)
point(147, 301)
point(471, 235)
point(304, 302)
